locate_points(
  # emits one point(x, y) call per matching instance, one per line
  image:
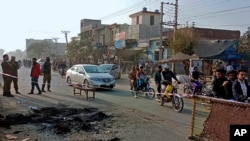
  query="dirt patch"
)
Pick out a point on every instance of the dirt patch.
point(61, 121)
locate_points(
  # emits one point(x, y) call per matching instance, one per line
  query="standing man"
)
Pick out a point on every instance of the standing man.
point(241, 88)
point(220, 83)
point(46, 74)
point(35, 72)
point(6, 67)
point(14, 72)
point(158, 78)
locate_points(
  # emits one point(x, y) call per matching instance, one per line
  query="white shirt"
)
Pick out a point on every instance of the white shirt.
point(229, 68)
point(191, 69)
point(243, 87)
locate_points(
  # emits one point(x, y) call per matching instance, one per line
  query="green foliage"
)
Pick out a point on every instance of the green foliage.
point(81, 49)
point(36, 49)
point(183, 41)
point(245, 43)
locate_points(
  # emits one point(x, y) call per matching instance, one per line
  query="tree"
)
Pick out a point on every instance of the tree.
point(81, 48)
point(36, 49)
point(184, 41)
point(245, 43)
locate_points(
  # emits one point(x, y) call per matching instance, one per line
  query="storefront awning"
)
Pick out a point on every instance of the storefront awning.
point(129, 52)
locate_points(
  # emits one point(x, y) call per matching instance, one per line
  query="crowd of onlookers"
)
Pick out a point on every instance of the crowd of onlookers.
point(229, 82)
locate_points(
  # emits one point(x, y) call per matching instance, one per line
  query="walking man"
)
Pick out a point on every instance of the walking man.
point(35, 72)
point(46, 74)
point(6, 67)
point(14, 69)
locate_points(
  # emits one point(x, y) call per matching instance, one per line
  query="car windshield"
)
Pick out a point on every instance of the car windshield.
point(93, 69)
point(106, 67)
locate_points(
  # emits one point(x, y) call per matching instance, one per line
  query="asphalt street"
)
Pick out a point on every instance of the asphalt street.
point(177, 125)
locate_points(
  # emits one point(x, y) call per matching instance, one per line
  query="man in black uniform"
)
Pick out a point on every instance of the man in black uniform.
point(46, 74)
point(6, 67)
point(14, 69)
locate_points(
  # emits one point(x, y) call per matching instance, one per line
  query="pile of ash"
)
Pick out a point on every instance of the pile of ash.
point(60, 120)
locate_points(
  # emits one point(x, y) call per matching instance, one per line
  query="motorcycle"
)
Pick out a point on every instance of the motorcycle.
point(173, 97)
point(62, 72)
point(145, 88)
point(203, 90)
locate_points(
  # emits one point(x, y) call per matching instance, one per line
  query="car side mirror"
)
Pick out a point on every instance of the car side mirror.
point(82, 72)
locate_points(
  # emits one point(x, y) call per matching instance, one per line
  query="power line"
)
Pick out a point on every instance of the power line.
point(213, 16)
point(218, 12)
point(194, 8)
point(139, 3)
point(127, 10)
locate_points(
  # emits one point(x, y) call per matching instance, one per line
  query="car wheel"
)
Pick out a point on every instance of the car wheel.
point(69, 81)
point(86, 83)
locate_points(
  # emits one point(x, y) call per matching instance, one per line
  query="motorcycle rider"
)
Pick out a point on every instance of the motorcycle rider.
point(168, 75)
point(196, 75)
point(139, 80)
point(63, 67)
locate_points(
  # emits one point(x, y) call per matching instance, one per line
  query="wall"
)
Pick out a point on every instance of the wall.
point(134, 32)
point(134, 20)
point(147, 31)
point(146, 19)
point(85, 22)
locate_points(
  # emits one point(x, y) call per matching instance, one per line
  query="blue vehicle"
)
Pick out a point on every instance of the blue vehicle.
point(143, 87)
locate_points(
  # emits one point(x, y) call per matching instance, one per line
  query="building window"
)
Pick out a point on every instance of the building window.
point(152, 20)
point(81, 24)
point(137, 20)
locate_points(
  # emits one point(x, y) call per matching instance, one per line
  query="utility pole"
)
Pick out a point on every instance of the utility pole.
point(175, 29)
point(56, 49)
point(170, 23)
point(67, 43)
point(66, 36)
point(161, 24)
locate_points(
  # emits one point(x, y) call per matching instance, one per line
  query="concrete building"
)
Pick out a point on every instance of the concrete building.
point(145, 24)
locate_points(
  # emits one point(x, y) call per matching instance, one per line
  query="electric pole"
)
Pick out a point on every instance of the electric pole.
point(161, 24)
point(66, 36)
point(56, 49)
point(170, 23)
point(67, 43)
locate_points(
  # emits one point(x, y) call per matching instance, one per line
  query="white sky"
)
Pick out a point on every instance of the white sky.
point(44, 19)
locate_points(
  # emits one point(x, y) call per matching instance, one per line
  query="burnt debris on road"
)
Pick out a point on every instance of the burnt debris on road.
point(61, 120)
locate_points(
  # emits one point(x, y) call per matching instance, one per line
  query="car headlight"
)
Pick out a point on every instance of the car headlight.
point(95, 79)
point(112, 79)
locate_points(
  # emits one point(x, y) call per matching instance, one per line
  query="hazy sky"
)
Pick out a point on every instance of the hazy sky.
point(44, 19)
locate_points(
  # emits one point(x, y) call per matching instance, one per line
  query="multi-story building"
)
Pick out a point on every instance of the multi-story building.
point(145, 24)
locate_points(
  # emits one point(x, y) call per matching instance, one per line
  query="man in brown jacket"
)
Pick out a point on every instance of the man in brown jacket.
point(14, 69)
point(6, 67)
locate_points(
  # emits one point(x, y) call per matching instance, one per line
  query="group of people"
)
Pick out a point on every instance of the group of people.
point(10, 73)
point(163, 74)
point(227, 84)
point(231, 85)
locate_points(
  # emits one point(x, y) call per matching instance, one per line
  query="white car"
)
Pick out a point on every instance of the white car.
point(112, 69)
point(90, 75)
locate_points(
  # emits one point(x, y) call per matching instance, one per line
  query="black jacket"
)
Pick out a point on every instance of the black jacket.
point(238, 93)
point(47, 68)
point(218, 89)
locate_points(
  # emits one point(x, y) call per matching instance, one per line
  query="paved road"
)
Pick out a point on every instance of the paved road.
point(175, 125)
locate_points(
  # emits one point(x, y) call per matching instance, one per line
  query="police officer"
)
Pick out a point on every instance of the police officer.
point(14, 69)
point(6, 67)
point(46, 75)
